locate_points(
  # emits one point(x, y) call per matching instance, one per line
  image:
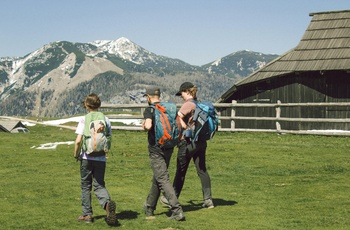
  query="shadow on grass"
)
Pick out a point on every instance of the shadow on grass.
point(221, 202)
point(194, 205)
point(117, 224)
point(129, 215)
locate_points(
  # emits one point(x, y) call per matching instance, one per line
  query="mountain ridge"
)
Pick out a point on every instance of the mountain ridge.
point(57, 70)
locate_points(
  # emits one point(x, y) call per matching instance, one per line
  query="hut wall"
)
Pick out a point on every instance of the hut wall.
point(312, 87)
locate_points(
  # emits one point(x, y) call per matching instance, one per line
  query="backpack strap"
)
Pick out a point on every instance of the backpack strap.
point(165, 124)
point(197, 116)
point(196, 111)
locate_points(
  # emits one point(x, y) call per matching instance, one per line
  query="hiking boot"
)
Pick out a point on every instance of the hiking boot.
point(87, 219)
point(111, 217)
point(179, 216)
point(164, 201)
point(149, 212)
point(208, 203)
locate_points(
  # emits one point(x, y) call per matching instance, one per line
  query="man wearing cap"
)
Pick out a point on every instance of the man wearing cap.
point(160, 159)
point(188, 92)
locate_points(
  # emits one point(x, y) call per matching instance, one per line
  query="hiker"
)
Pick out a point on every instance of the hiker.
point(160, 159)
point(188, 92)
point(93, 166)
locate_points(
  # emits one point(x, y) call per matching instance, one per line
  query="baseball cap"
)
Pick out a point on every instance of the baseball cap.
point(152, 91)
point(184, 86)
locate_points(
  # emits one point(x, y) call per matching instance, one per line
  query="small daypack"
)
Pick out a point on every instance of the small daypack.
point(96, 136)
point(205, 121)
point(165, 125)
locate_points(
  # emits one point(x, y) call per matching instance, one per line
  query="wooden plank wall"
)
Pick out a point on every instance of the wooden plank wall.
point(312, 87)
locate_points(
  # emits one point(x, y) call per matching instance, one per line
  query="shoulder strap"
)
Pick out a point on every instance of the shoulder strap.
point(196, 111)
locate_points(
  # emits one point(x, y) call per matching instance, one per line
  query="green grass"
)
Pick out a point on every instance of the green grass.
point(259, 181)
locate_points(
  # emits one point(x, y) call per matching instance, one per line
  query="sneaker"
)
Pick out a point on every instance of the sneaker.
point(179, 216)
point(149, 212)
point(87, 219)
point(208, 204)
point(164, 201)
point(111, 217)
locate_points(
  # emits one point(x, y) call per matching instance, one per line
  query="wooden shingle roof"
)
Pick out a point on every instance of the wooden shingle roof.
point(9, 126)
point(325, 45)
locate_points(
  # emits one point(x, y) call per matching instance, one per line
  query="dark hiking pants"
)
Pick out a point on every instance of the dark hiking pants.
point(160, 160)
point(92, 175)
point(199, 161)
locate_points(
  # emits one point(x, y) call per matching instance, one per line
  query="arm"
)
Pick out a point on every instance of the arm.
point(147, 124)
point(78, 141)
point(182, 122)
point(185, 113)
point(148, 115)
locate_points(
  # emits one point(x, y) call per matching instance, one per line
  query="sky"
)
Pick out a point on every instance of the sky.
point(195, 31)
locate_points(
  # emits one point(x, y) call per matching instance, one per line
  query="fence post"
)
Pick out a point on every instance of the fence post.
point(233, 115)
point(219, 115)
point(278, 115)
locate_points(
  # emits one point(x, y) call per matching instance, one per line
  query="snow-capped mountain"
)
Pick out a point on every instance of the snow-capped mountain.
point(52, 80)
point(125, 49)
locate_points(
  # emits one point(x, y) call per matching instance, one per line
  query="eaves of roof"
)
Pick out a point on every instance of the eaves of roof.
point(324, 46)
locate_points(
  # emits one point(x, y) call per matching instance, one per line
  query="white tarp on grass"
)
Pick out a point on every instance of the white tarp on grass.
point(76, 119)
point(52, 145)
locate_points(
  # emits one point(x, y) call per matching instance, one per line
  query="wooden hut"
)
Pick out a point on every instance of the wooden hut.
point(316, 70)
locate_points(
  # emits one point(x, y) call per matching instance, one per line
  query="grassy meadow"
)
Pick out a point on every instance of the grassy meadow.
point(259, 181)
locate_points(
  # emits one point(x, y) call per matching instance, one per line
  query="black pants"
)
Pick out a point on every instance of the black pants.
point(182, 165)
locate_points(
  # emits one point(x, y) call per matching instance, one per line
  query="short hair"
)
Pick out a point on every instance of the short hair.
point(92, 101)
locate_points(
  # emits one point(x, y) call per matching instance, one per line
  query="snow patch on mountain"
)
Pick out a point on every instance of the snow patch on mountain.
point(260, 64)
point(123, 48)
point(217, 62)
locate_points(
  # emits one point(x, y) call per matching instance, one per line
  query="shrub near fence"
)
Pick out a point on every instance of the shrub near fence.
point(233, 118)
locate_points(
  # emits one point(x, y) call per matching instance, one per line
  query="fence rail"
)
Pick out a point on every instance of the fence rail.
point(233, 118)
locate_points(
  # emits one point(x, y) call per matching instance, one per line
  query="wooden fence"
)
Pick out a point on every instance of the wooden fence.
point(233, 118)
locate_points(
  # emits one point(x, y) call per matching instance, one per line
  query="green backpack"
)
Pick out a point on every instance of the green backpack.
point(96, 138)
